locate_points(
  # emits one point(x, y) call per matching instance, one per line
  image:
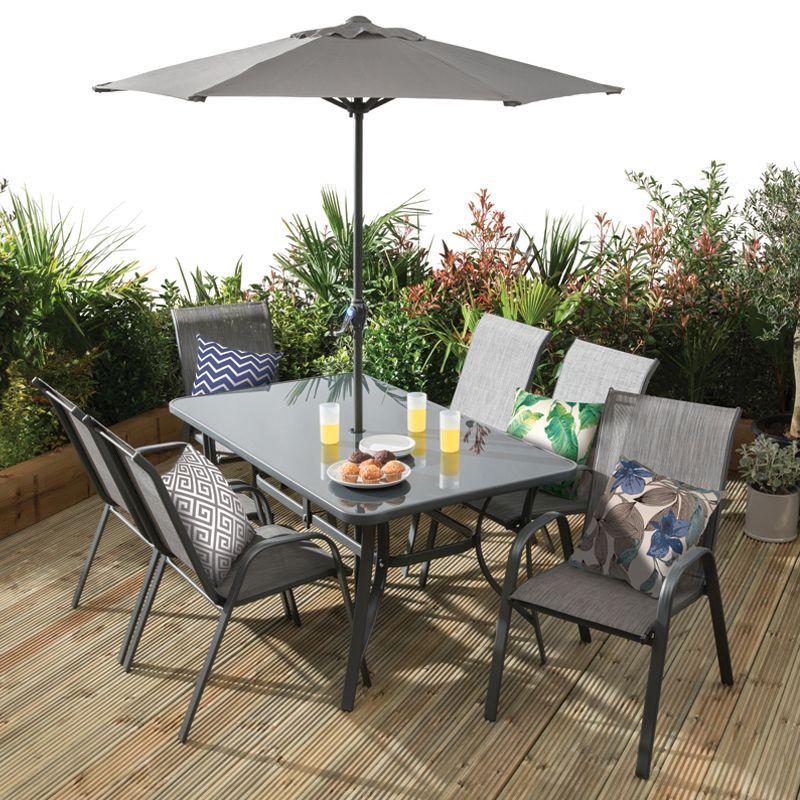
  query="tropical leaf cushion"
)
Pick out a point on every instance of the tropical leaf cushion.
point(568, 429)
point(642, 525)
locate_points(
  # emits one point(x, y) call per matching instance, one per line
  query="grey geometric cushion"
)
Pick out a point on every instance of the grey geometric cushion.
point(211, 513)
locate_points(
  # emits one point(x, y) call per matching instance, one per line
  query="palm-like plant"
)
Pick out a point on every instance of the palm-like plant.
point(321, 258)
point(560, 255)
point(527, 300)
point(65, 269)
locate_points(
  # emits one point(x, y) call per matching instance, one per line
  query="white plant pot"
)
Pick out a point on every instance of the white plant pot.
point(771, 517)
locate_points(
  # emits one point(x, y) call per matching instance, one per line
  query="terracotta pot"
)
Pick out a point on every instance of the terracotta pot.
point(771, 517)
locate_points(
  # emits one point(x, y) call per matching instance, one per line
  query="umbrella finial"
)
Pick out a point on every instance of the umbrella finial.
point(358, 26)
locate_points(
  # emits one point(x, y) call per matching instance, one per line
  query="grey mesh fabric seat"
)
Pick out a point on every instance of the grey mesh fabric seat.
point(276, 561)
point(502, 358)
point(587, 373)
point(684, 441)
point(243, 326)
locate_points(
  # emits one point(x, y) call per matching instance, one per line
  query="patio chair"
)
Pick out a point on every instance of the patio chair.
point(587, 373)
point(684, 441)
point(97, 472)
point(502, 358)
point(243, 326)
point(276, 561)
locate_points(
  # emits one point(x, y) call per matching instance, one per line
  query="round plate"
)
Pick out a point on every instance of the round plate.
point(333, 474)
point(394, 442)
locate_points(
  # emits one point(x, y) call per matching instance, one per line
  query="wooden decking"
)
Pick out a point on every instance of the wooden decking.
point(72, 724)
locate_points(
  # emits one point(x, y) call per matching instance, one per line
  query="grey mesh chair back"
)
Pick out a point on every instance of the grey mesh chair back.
point(151, 504)
point(590, 370)
point(502, 358)
point(82, 440)
point(688, 442)
point(243, 326)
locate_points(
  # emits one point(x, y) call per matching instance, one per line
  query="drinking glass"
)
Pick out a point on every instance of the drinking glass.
point(329, 423)
point(417, 411)
point(449, 430)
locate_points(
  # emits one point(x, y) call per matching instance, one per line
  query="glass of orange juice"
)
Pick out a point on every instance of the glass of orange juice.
point(329, 423)
point(449, 430)
point(417, 411)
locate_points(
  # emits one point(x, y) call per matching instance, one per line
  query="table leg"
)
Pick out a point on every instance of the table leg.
point(369, 590)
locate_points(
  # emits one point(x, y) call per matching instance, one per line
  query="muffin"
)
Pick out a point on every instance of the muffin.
point(349, 472)
point(370, 473)
point(370, 462)
point(357, 457)
point(383, 457)
point(393, 471)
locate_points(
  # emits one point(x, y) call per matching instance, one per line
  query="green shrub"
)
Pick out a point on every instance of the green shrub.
point(137, 367)
point(30, 426)
point(301, 328)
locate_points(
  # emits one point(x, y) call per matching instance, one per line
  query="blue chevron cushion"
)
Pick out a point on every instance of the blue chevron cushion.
point(222, 369)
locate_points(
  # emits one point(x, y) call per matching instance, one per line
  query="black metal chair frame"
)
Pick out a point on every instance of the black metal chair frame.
point(202, 584)
point(669, 604)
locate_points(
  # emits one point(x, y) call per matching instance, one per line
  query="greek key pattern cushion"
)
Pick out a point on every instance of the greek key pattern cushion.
point(223, 369)
point(642, 525)
point(211, 513)
point(566, 428)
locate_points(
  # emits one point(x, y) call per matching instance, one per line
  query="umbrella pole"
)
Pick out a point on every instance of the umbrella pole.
point(359, 310)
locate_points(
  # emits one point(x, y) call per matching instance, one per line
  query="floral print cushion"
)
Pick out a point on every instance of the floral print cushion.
point(565, 428)
point(642, 525)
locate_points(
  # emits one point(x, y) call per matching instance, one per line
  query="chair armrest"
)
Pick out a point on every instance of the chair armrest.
point(257, 549)
point(522, 538)
point(237, 485)
point(678, 570)
point(157, 448)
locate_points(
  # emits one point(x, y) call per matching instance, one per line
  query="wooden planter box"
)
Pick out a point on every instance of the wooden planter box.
point(37, 488)
point(743, 435)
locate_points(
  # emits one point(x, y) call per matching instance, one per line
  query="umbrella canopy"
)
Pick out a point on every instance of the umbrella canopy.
point(359, 67)
point(359, 59)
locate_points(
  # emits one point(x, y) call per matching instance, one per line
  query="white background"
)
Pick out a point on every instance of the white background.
point(209, 182)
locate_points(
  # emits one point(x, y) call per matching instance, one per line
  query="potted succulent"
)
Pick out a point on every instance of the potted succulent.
point(772, 473)
point(771, 278)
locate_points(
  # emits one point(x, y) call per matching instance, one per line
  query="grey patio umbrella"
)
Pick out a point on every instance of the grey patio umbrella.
point(358, 67)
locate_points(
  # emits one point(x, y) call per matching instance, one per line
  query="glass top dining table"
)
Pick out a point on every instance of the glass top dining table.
point(276, 430)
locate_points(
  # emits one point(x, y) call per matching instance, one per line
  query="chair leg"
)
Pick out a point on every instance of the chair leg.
point(718, 621)
point(137, 608)
point(143, 615)
point(498, 658)
point(412, 538)
point(532, 616)
point(651, 701)
point(205, 672)
point(294, 614)
point(87, 564)
point(426, 565)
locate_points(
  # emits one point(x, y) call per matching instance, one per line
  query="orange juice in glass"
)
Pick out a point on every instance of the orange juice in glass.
point(417, 412)
point(329, 423)
point(449, 430)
